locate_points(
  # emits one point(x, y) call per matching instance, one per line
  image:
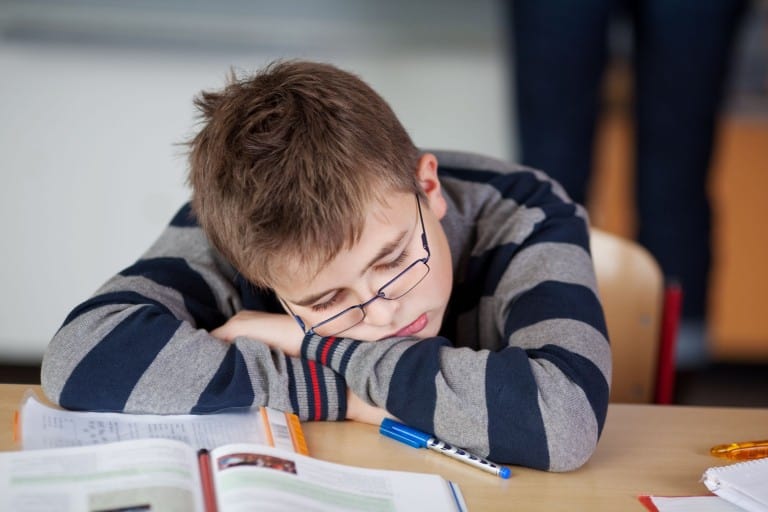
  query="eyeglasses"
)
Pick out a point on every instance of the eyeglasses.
point(393, 289)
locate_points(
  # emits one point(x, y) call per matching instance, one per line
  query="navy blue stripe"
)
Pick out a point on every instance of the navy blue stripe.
point(472, 175)
point(412, 389)
point(554, 300)
point(112, 298)
point(583, 372)
point(346, 357)
point(229, 387)
point(292, 394)
point(104, 379)
point(331, 352)
point(562, 228)
point(321, 370)
point(184, 218)
point(515, 427)
point(484, 272)
point(176, 273)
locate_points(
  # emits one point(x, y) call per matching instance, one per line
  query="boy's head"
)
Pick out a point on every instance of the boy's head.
point(287, 163)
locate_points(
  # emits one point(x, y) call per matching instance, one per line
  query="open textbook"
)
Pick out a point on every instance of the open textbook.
point(170, 475)
point(111, 462)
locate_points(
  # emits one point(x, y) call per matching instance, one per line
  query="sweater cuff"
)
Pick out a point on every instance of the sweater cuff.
point(331, 351)
point(316, 392)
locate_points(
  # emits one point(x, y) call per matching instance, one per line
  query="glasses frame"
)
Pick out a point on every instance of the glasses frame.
point(380, 294)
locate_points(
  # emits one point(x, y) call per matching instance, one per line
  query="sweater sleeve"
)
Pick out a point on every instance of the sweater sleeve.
point(526, 379)
point(141, 344)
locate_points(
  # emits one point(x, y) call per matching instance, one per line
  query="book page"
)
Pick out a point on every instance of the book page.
point(49, 427)
point(134, 475)
point(248, 477)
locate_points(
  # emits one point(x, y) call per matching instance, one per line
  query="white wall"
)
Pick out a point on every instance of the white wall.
point(90, 166)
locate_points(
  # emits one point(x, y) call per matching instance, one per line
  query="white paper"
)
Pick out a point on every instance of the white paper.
point(743, 483)
point(693, 504)
point(48, 427)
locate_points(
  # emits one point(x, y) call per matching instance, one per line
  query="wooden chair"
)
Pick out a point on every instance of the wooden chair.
point(642, 314)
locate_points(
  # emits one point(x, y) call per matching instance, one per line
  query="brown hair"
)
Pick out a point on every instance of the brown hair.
point(288, 162)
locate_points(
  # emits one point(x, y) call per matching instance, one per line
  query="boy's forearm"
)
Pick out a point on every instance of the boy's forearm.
point(141, 344)
point(503, 405)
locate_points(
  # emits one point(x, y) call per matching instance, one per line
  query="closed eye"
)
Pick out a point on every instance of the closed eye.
point(328, 304)
point(396, 263)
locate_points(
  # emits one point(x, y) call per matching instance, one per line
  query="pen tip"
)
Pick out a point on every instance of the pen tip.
point(505, 473)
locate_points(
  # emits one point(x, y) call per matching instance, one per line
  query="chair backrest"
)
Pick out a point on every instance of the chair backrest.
point(631, 288)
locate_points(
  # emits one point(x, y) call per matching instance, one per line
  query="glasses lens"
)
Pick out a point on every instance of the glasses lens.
point(398, 287)
point(340, 323)
point(406, 281)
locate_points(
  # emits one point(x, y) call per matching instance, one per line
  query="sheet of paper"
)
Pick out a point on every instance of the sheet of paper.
point(42, 426)
point(688, 504)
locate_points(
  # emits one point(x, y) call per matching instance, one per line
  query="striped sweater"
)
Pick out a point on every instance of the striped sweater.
point(519, 373)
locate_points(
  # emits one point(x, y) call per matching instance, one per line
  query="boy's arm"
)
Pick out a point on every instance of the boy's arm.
point(537, 395)
point(142, 343)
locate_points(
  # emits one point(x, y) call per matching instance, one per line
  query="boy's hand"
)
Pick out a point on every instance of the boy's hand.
point(362, 411)
point(277, 330)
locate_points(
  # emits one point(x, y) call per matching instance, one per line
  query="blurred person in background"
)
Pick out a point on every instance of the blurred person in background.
point(682, 50)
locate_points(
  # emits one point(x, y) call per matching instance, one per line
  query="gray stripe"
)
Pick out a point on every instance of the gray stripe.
point(572, 335)
point(374, 364)
point(462, 376)
point(568, 418)
point(548, 261)
point(166, 385)
point(187, 242)
point(269, 381)
point(74, 341)
point(299, 378)
point(518, 222)
point(168, 297)
point(466, 160)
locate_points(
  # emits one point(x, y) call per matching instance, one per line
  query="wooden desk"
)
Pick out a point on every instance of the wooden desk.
point(645, 449)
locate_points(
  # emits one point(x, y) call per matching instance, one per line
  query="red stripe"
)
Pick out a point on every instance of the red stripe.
point(326, 349)
point(315, 388)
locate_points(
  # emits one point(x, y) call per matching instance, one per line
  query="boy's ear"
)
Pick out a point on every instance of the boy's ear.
point(430, 184)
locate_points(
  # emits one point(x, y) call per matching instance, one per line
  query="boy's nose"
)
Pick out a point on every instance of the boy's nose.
point(380, 311)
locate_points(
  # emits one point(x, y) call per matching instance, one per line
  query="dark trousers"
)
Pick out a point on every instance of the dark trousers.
point(681, 54)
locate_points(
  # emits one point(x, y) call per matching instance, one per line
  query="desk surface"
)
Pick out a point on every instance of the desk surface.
point(644, 449)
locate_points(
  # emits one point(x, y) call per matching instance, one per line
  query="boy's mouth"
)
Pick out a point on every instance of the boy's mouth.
point(414, 327)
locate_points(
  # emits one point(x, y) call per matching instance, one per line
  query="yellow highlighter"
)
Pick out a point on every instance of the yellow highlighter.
point(741, 451)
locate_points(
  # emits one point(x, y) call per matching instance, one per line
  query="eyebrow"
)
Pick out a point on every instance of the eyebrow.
point(385, 250)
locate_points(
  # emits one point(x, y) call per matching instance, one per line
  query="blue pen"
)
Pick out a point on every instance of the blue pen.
point(419, 439)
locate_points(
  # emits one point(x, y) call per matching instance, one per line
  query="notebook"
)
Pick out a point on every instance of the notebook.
point(744, 484)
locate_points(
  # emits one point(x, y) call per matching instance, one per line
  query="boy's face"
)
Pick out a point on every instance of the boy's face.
point(391, 241)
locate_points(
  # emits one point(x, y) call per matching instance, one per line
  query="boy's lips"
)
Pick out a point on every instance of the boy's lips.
point(414, 327)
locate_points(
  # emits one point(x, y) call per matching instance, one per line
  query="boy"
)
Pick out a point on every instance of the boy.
point(325, 267)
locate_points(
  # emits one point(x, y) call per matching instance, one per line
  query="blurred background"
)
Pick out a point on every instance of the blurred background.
point(96, 97)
